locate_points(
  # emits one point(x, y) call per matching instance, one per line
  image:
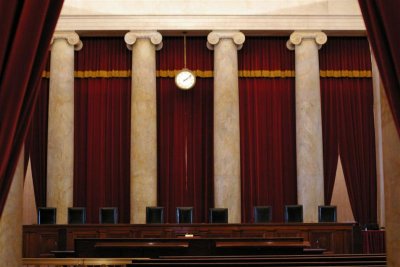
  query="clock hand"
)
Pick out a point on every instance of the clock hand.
point(186, 78)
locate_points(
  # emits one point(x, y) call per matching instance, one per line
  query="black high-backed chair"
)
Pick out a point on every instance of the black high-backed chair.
point(184, 214)
point(293, 213)
point(108, 215)
point(327, 214)
point(218, 215)
point(47, 215)
point(76, 215)
point(262, 214)
point(154, 214)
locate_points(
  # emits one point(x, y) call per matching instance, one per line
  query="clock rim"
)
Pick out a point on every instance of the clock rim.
point(181, 71)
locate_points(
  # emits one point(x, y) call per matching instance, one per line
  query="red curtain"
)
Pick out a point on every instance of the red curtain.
point(36, 143)
point(26, 28)
point(185, 130)
point(348, 123)
point(267, 126)
point(102, 127)
point(381, 20)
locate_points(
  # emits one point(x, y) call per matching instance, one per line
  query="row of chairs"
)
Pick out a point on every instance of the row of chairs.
point(262, 214)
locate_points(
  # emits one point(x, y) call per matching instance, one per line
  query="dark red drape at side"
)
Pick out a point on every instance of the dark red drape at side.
point(382, 21)
point(102, 128)
point(26, 28)
point(348, 124)
point(36, 143)
point(267, 127)
point(185, 131)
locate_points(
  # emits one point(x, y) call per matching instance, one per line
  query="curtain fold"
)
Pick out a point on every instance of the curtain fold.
point(102, 129)
point(26, 28)
point(348, 124)
point(36, 143)
point(185, 131)
point(381, 20)
point(267, 127)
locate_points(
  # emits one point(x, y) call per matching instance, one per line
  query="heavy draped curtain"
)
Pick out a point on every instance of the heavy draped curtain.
point(36, 143)
point(267, 126)
point(26, 28)
point(185, 129)
point(348, 123)
point(382, 21)
point(102, 127)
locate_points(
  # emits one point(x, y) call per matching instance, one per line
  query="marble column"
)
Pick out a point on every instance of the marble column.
point(310, 174)
point(226, 121)
point(143, 121)
point(391, 171)
point(60, 153)
point(376, 83)
point(11, 220)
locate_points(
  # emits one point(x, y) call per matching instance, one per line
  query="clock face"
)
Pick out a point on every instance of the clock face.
point(185, 79)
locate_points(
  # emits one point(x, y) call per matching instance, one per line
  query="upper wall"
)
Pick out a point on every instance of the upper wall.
point(251, 15)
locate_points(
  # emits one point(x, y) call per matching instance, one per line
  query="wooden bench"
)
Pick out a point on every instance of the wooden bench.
point(156, 247)
point(292, 260)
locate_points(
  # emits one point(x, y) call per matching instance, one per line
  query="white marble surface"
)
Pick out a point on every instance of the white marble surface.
point(60, 155)
point(270, 15)
point(143, 122)
point(226, 122)
point(310, 174)
point(11, 220)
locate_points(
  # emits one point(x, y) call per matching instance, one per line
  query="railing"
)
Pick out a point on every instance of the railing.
point(72, 262)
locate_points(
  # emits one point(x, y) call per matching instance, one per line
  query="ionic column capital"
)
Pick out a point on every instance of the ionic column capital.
point(154, 36)
point(214, 37)
point(72, 38)
point(297, 37)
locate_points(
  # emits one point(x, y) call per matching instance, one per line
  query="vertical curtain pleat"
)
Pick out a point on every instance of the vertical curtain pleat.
point(382, 21)
point(185, 131)
point(36, 143)
point(102, 129)
point(267, 128)
point(348, 125)
point(26, 29)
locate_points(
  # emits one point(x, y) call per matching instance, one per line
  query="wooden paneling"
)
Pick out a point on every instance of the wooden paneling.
point(40, 240)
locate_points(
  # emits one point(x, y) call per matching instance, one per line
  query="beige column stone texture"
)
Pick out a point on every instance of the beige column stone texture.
point(376, 83)
point(60, 155)
point(310, 174)
point(11, 220)
point(226, 121)
point(391, 170)
point(143, 121)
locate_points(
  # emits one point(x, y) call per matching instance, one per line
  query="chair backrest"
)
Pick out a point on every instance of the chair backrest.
point(262, 214)
point(154, 214)
point(184, 214)
point(47, 215)
point(326, 213)
point(218, 215)
point(293, 213)
point(76, 215)
point(108, 215)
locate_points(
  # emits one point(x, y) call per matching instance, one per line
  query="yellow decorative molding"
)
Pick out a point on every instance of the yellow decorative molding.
point(266, 73)
point(102, 74)
point(209, 73)
point(172, 73)
point(345, 73)
point(46, 74)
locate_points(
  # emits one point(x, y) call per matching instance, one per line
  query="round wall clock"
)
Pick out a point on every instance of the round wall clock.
point(185, 79)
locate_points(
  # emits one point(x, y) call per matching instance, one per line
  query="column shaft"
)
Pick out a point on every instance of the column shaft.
point(391, 171)
point(11, 220)
point(61, 125)
point(143, 123)
point(310, 174)
point(226, 123)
